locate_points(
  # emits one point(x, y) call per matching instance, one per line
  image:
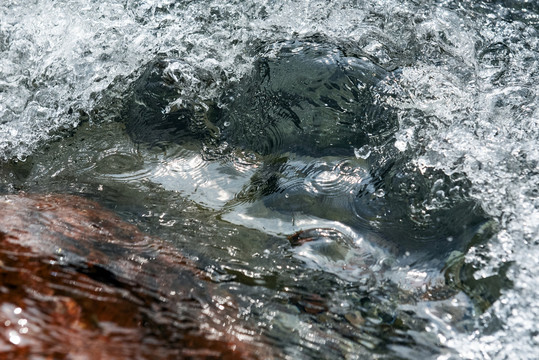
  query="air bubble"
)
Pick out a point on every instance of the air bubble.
point(363, 152)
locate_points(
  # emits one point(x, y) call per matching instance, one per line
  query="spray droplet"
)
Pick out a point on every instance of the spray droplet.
point(363, 152)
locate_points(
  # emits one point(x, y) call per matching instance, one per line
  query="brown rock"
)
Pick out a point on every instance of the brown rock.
point(78, 282)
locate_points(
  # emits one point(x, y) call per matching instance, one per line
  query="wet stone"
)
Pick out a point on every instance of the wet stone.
point(78, 282)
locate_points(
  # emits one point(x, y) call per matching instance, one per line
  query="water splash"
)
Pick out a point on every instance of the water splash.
point(466, 99)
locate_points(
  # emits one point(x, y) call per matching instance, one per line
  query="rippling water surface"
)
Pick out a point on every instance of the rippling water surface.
point(361, 177)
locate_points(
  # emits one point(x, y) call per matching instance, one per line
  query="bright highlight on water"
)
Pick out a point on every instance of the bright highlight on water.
point(360, 177)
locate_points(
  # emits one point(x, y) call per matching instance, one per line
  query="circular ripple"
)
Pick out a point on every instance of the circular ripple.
point(335, 179)
point(310, 99)
point(119, 163)
point(323, 188)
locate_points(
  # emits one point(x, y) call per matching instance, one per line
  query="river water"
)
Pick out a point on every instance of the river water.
point(460, 79)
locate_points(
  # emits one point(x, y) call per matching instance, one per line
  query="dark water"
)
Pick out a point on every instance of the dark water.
point(336, 173)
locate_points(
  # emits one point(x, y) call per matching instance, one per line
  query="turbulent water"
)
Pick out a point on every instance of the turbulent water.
point(455, 83)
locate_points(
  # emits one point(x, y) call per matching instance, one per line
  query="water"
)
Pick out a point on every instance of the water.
point(459, 77)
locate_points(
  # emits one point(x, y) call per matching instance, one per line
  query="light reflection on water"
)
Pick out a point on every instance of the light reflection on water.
point(466, 101)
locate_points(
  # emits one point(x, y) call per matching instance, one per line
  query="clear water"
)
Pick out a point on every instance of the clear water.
point(465, 94)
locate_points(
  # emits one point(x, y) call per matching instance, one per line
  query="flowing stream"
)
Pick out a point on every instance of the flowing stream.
point(362, 175)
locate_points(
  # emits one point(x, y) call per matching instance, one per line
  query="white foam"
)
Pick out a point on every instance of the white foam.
point(60, 55)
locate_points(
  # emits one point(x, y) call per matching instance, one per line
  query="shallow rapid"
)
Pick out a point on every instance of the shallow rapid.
point(361, 178)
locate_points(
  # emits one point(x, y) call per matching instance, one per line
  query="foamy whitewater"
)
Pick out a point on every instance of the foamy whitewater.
point(472, 67)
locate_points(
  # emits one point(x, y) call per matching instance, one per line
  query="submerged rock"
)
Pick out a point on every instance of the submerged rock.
point(78, 282)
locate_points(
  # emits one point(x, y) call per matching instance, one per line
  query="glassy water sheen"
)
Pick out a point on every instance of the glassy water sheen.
point(362, 177)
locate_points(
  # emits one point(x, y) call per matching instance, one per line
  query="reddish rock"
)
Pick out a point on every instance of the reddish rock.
point(78, 282)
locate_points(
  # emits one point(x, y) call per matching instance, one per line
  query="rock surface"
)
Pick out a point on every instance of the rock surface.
point(78, 282)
